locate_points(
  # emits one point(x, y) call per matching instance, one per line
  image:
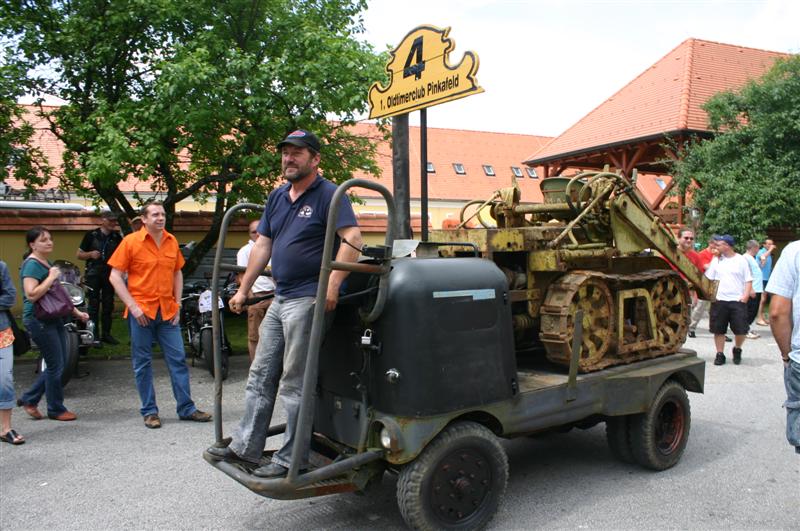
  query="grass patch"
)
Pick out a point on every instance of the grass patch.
point(235, 328)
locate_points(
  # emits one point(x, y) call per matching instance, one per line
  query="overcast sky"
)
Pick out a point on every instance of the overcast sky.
point(546, 64)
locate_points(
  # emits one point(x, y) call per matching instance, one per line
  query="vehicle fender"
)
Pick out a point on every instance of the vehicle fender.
point(410, 435)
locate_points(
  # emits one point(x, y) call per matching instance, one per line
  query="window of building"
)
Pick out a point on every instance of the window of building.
point(532, 173)
point(488, 170)
point(661, 184)
point(431, 169)
point(517, 172)
point(459, 168)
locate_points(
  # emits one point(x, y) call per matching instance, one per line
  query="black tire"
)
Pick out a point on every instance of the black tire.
point(619, 440)
point(659, 436)
point(207, 352)
point(457, 481)
point(72, 358)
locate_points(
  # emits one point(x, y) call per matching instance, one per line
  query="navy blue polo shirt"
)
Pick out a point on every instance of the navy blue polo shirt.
point(297, 231)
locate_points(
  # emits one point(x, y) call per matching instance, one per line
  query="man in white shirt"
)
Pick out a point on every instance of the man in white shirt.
point(262, 286)
point(784, 319)
point(730, 308)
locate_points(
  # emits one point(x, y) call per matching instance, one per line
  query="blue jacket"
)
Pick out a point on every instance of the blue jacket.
point(8, 295)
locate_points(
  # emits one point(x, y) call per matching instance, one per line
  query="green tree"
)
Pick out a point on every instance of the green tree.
point(192, 96)
point(748, 174)
point(17, 152)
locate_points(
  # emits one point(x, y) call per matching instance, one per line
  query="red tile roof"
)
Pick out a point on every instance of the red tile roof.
point(445, 147)
point(472, 149)
point(666, 97)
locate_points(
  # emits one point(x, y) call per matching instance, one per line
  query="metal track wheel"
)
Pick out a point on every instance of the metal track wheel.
point(671, 306)
point(588, 292)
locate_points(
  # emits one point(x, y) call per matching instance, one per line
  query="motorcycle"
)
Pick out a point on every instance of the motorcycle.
point(80, 335)
point(197, 325)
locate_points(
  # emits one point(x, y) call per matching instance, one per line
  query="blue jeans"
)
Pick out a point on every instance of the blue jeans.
point(280, 358)
point(791, 379)
point(7, 394)
point(171, 342)
point(51, 338)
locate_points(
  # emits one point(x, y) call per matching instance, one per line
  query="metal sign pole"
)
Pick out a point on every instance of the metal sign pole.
point(400, 176)
point(423, 184)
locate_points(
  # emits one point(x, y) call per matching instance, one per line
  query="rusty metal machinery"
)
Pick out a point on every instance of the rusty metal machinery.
point(593, 245)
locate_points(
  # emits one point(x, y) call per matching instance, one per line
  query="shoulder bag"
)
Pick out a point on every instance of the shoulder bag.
point(54, 304)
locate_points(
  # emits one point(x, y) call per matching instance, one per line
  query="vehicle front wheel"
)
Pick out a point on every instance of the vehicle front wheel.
point(457, 482)
point(659, 436)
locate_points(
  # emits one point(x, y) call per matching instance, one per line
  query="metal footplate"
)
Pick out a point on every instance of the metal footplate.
point(327, 477)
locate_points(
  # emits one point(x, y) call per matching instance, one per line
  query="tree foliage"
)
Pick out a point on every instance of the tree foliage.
point(16, 146)
point(192, 95)
point(748, 174)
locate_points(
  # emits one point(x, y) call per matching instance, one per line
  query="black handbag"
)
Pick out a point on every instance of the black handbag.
point(22, 343)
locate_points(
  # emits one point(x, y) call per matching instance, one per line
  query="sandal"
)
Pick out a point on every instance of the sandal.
point(12, 437)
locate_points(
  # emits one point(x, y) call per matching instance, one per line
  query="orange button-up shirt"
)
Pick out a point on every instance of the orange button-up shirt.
point(151, 271)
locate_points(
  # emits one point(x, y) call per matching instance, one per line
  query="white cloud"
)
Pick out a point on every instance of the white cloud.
point(545, 64)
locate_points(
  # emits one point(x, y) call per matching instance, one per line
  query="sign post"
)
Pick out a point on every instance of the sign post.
point(420, 76)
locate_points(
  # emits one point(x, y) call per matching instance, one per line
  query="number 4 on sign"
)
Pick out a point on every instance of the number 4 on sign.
point(414, 54)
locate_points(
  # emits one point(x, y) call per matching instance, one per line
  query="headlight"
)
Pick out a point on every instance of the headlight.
point(386, 438)
point(75, 293)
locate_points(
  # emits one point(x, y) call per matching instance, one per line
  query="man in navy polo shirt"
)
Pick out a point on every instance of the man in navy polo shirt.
point(292, 234)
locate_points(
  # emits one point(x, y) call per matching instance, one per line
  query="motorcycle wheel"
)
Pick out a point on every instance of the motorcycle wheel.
point(73, 355)
point(70, 360)
point(207, 349)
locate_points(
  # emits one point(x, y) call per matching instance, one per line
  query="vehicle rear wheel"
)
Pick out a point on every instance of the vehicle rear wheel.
point(207, 350)
point(659, 436)
point(618, 436)
point(457, 482)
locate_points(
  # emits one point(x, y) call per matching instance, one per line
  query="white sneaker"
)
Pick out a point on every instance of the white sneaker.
point(752, 335)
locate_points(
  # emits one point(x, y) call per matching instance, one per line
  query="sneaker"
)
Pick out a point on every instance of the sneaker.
point(152, 421)
point(728, 339)
point(198, 416)
point(720, 359)
point(752, 335)
point(692, 334)
point(737, 355)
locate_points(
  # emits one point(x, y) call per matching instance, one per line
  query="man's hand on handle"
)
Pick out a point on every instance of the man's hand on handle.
point(236, 303)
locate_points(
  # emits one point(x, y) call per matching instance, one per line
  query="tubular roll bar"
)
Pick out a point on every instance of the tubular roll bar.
point(306, 416)
point(293, 480)
point(216, 332)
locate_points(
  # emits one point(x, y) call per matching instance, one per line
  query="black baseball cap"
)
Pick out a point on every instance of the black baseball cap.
point(301, 138)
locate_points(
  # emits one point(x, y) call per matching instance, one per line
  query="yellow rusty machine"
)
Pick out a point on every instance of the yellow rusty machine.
point(593, 245)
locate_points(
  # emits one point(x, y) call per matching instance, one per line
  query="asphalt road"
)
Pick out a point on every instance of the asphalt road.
point(107, 471)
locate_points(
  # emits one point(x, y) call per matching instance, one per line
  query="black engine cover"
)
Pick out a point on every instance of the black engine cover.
point(446, 330)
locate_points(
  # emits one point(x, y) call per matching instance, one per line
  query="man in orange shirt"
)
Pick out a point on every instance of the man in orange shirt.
point(153, 262)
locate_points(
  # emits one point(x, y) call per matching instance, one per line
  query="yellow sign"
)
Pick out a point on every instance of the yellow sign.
point(420, 74)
